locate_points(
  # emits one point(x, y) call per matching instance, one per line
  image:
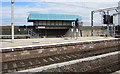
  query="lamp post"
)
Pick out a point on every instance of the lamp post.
point(12, 18)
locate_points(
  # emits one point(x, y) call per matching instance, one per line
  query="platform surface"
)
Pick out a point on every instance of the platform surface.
point(5, 43)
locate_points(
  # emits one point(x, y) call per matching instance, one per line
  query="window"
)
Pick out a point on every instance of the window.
point(44, 22)
point(52, 22)
point(48, 23)
point(64, 23)
point(40, 23)
point(36, 23)
point(60, 23)
point(56, 23)
point(68, 23)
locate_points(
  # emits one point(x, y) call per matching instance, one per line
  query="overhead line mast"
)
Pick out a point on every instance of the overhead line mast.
point(103, 11)
point(12, 18)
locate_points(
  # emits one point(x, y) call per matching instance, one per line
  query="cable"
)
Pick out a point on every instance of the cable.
point(70, 5)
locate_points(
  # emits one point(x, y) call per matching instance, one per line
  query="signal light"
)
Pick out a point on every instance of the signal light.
point(76, 23)
point(107, 19)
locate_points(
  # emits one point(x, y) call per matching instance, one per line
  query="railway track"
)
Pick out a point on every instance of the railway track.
point(17, 65)
point(103, 67)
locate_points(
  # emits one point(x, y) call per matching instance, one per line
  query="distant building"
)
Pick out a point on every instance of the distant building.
point(49, 25)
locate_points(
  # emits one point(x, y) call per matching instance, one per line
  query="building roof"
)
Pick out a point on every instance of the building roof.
point(64, 17)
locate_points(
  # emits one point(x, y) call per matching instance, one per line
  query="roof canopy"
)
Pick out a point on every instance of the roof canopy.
point(63, 17)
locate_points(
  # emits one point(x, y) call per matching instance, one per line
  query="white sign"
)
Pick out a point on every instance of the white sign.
point(76, 30)
point(71, 30)
point(73, 23)
point(41, 27)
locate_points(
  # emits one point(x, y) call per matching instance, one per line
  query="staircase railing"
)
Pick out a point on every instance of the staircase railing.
point(33, 34)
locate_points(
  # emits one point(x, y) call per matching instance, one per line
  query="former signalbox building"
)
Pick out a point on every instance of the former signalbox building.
point(52, 25)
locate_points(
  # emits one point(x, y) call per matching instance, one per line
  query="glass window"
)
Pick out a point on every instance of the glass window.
point(60, 23)
point(64, 23)
point(52, 22)
point(44, 22)
point(36, 23)
point(40, 23)
point(56, 23)
point(48, 23)
point(68, 23)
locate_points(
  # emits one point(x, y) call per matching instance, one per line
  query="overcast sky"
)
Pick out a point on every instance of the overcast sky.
point(80, 7)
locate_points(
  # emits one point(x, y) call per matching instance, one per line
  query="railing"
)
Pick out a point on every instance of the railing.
point(33, 34)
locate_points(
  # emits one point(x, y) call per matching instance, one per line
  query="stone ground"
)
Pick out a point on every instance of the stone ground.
point(38, 41)
point(82, 66)
point(117, 72)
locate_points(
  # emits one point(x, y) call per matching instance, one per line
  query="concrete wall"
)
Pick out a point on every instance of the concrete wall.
point(86, 31)
point(6, 30)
